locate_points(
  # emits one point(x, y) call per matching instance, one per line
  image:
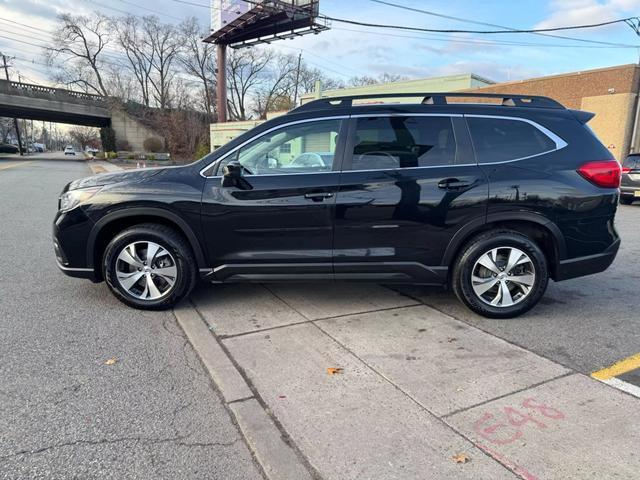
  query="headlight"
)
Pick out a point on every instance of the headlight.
point(70, 200)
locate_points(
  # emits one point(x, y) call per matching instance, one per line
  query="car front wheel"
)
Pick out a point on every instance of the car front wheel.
point(500, 274)
point(149, 267)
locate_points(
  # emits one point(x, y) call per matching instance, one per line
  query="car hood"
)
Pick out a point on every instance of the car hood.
point(104, 179)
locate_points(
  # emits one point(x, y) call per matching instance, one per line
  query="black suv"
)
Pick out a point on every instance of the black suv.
point(492, 198)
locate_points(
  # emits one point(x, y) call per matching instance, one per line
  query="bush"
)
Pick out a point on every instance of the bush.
point(131, 156)
point(153, 144)
point(151, 157)
point(108, 139)
point(112, 155)
point(202, 150)
point(123, 145)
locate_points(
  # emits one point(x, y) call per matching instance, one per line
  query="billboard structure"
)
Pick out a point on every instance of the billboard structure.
point(247, 22)
point(242, 23)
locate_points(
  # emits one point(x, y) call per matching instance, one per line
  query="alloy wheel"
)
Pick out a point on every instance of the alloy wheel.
point(146, 270)
point(503, 277)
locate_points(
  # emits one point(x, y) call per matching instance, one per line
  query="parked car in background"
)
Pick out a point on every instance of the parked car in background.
point(493, 200)
point(6, 148)
point(630, 184)
point(69, 150)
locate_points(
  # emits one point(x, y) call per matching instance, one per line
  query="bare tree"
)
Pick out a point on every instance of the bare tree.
point(141, 55)
point(277, 85)
point(6, 126)
point(85, 136)
point(198, 59)
point(309, 76)
point(245, 70)
point(383, 78)
point(164, 42)
point(78, 50)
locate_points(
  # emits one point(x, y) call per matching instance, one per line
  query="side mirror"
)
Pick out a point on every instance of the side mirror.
point(232, 176)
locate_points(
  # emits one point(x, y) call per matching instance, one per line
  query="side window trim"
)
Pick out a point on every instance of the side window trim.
point(463, 145)
point(237, 148)
point(559, 142)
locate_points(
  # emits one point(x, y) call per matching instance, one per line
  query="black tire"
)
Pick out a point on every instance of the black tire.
point(626, 201)
point(170, 240)
point(476, 248)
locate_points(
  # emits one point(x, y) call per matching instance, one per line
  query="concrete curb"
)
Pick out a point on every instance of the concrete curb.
point(277, 459)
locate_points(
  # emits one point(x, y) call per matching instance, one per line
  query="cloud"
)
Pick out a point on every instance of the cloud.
point(580, 12)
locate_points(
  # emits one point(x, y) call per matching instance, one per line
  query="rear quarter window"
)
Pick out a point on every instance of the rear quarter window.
point(500, 140)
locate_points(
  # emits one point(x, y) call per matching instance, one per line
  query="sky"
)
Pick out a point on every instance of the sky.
point(346, 51)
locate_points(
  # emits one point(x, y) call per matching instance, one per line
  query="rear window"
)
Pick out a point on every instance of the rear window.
point(631, 162)
point(499, 140)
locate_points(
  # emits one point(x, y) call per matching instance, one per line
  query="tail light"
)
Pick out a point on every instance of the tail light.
point(626, 169)
point(604, 174)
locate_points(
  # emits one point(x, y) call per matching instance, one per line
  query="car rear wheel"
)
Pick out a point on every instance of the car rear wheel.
point(149, 267)
point(500, 274)
point(626, 201)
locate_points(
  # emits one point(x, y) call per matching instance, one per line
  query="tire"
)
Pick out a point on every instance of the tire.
point(497, 245)
point(134, 283)
point(626, 201)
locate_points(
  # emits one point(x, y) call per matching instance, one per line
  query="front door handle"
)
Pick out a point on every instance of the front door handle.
point(318, 197)
point(453, 184)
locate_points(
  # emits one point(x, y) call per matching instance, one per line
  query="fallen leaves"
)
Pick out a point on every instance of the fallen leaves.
point(461, 458)
point(334, 371)
point(111, 361)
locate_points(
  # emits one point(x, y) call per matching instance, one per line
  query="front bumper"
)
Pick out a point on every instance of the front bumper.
point(581, 266)
point(70, 234)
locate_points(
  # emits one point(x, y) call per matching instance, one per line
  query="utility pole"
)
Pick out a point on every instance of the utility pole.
point(295, 92)
point(15, 120)
point(221, 81)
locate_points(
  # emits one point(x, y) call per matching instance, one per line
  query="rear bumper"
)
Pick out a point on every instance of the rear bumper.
point(627, 191)
point(581, 266)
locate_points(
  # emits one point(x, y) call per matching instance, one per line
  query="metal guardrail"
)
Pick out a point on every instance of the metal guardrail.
point(50, 93)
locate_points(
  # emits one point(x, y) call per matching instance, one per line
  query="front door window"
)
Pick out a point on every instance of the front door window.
point(301, 148)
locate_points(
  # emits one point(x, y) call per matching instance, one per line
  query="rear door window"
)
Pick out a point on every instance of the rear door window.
point(387, 143)
point(500, 140)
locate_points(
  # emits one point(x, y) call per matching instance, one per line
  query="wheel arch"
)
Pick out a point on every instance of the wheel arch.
point(540, 229)
point(113, 223)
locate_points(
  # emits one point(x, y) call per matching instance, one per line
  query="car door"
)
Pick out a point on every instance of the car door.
point(409, 183)
point(278, 222)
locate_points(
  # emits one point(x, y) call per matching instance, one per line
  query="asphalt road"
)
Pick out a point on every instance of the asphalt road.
point(586, 323)
point(66, 414)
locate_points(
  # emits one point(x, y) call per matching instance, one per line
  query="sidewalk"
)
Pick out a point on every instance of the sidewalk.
point(101, 166)
point(416, 390)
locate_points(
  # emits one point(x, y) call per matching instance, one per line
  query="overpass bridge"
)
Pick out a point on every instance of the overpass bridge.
point(37, 102)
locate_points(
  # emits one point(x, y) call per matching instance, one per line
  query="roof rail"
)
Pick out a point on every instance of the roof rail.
point(506, 100)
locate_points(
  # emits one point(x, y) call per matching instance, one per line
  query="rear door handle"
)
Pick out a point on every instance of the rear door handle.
point(453, 184)
point(318, 197)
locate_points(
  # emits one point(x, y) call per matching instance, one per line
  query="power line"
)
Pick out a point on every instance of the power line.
point(475, 22)
point(473, 41)
point(484, 32)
